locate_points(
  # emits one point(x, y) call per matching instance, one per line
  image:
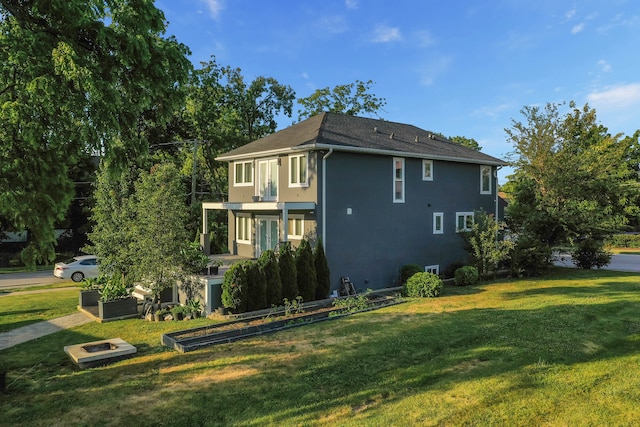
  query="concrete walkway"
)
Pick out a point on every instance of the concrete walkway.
point(40, 329)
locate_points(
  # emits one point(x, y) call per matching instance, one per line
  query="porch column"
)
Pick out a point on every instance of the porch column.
point(285, 222)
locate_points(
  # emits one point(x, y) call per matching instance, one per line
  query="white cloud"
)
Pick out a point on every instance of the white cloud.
point(351, 4)
point(616, 97)
point(425, 39)
point(384, 34)
point(577, 28)
point(215, 7)
point(333, 24)
point(570, 14)
point(305, 75)
point(604, 66)
point(492, 111)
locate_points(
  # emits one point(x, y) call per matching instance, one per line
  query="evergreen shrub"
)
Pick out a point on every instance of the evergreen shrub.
point(423, 285)
point(465, 276)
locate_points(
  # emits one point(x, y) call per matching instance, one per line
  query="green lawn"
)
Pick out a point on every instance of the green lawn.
point(560, 350)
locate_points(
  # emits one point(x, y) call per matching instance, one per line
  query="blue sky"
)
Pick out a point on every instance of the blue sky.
point(454, 67)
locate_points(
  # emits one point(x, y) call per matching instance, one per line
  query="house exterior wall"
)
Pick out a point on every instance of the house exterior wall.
point(369, 237)
point(307, 192)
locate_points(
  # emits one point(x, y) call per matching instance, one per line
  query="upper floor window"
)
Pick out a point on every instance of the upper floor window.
point(427, 170)
point(243, 173)
point(464, 221)
point(438, 221)
point(295, 225)
point(398, 180)
point(298, 170)
point(485, 179)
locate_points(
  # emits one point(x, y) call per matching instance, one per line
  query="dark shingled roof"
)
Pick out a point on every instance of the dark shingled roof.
point(352, 133)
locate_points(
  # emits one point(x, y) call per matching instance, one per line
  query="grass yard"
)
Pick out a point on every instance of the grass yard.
point(560, 350)
point(20, 309)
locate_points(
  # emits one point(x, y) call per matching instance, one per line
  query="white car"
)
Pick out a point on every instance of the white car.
point(77, 268)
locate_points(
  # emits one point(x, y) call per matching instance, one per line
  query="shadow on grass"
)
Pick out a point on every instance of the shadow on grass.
point(328, 371)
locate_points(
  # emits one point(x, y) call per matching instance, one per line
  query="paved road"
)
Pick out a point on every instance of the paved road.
point(619, 262)
point(24, 280)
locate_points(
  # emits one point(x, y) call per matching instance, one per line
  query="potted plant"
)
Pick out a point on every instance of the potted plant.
point(116, 301)
point(158, 315)
point(194, 307)
point(90, 291)
point(215, 266)
point(178, 312)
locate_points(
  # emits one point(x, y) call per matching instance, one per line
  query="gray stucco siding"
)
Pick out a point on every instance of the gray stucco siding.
point(379, 236)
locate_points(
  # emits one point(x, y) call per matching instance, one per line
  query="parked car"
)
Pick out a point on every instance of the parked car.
point(77, 268)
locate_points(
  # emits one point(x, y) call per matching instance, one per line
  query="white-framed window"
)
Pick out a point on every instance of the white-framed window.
point(435, 269)
point(398, 180)
point(464, 221)
point(243, 229)
point(438, 223)
point(243, 174)
point(427, 170)
point(485, 179)
point(298, 170)
point(295, 225)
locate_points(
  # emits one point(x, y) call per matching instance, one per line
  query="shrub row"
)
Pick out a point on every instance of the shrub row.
point(255, 285)
point(623, 241)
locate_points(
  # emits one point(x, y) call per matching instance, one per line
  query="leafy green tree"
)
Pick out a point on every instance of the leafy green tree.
point(573, 179)
point(323, 275)
point(76, 77)
point(269, 263)
point(160, 227)
point(114, 215)
point(467, 142)
point(305, 271)
point(352, 99)
point(288, 273)
point(485, 243)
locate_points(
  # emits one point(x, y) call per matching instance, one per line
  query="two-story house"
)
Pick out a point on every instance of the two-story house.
point(379, 194)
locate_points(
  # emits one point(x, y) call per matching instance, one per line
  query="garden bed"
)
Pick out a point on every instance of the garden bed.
point(264, 323)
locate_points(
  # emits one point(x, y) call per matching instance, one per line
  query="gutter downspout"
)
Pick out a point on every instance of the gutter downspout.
point(324, 197)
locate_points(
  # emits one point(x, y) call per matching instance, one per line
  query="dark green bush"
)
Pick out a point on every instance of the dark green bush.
point(256, 287)
point(234, 292)
point(323, 274)
point(465, 276)
point(409, 270)
point(424, 285)
point(288, 276)
point(530, 257)
point(269, 263)
point(450, 271)
point(591, 253)
point(306, 272)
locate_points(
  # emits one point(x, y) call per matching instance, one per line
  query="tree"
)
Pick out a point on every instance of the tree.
point(269, 263)
point(113, 216)
point(160, 228)
point(305, 271)
point(288, 274)
point(573, 179)
point(467, 142)
point(351, 99)
point(76, 77)
point(485, 243)
point(323, 274)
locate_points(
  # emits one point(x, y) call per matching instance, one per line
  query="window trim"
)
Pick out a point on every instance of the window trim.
point(239, 219)
point(424, 169)
point(435, 269)
point(296, 158)
point(482, 189)
point(437, 230)
point(401, 179)
point(243, 164)
point(295, 217)
point(465, 215)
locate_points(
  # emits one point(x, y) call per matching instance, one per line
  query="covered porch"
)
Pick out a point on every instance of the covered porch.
point(283, 208)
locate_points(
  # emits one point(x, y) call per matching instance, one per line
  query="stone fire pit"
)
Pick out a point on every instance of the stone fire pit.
point(97, 353)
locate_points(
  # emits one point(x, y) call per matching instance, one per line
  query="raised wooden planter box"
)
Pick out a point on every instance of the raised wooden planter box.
point(119, 309)
point(89, 298)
